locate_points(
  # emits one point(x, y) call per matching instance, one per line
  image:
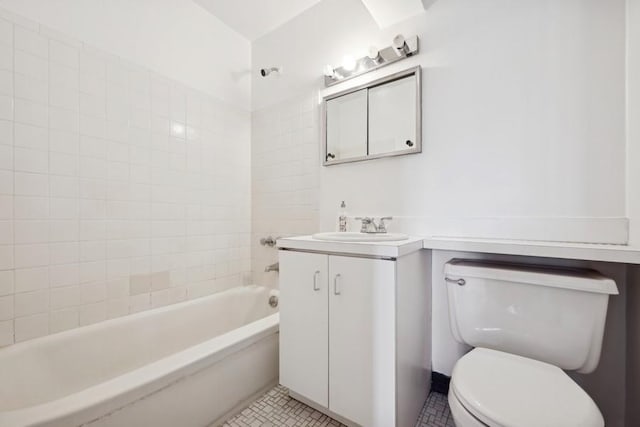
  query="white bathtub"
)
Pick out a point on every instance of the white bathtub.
point(189, 364)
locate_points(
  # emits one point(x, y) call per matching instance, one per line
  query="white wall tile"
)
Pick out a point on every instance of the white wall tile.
point(64, 253)
point(31, 232)
point(63, 97)
point(30, 42)
point(31, 279)
point(62, 320)
point(6, 333)
point(30, 327)
point(63, 164)
point(64, 54)
point(6, 157)
point(64, 77)
point(63, 186)
point(6, 233)
point(93, 292)
point(6, 283)
point(6, 257)
point(31, 65)
point(28, 160)
point(93, 313)
point(6, 182)
point(63, 120)
point(31, 89)
point(31, 207)
point(6, 107)
point(6, 57)
point(64, 142)
point(29, 303)
point(31, 113)
point(34, 255)
point(6, 308)
point(6, 207)
point(64, 231)
point(31, 136)
point(91, 170)
point(68, 296)
point(64, 275)
point(6, 82)
point(6, 32)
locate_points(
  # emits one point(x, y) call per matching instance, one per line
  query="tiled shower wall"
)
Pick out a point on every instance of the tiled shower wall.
point(285, 177)
point(120, 190)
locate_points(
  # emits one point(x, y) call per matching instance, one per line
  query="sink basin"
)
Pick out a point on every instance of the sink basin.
point(360, 237)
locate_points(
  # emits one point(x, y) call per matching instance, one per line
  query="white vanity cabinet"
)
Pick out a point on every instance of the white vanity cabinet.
point(355, 332)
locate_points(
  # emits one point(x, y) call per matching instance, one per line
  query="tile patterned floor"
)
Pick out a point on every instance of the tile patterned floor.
point(275, 408)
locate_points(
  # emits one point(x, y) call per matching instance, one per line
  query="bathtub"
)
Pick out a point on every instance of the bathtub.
point(190, 364)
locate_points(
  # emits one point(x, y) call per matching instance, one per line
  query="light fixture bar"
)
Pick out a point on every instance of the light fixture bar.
point(402, 48)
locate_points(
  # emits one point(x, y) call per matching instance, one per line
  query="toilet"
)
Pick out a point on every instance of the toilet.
point(528, 325)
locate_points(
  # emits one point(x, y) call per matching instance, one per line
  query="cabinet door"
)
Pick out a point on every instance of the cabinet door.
point(362, 340)
point(304, 324)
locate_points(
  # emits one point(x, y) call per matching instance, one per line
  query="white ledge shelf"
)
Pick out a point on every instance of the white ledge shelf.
point(583, 251)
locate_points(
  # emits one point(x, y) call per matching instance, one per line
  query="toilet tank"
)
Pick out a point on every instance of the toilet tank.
point(555, 315)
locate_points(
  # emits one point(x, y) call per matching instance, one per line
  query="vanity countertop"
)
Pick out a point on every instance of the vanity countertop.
point(391, 249)
point(583, 251)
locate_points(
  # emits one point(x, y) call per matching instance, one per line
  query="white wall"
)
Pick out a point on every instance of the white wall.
point(176, 38)
point(523, 116)
point(119, 188)
point(633, 119)
point(524, 136)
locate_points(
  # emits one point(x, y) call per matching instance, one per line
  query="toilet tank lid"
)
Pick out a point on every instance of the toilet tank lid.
point(557, 277)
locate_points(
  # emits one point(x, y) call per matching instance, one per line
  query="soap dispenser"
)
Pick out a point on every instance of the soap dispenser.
point(342, 218)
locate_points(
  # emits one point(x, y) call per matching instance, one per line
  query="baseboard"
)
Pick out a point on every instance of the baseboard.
point(440, 382)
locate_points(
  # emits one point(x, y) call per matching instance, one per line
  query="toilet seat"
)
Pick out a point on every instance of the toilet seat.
point(505, 390)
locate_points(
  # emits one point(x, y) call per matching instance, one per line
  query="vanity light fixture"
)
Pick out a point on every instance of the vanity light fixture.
point(400, 48)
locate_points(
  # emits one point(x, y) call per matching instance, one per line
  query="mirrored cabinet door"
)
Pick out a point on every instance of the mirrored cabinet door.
point(392, 116)
point(347, 126)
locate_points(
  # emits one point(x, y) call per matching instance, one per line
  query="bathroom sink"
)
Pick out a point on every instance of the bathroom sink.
point(360, 237)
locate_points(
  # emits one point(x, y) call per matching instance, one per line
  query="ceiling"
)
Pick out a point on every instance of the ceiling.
point(255, 18)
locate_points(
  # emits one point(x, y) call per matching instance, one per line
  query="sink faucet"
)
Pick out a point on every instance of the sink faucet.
point(369, 224)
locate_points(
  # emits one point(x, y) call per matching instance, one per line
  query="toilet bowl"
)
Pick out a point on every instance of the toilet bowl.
point(528, 325)
point(493, 388)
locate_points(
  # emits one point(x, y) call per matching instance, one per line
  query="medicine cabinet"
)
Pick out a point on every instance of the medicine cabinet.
point(378, 119)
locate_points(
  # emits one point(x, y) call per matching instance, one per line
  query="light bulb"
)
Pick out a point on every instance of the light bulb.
point(329, 71)
point(348, 63)
point(399, 43)
point(373, 52)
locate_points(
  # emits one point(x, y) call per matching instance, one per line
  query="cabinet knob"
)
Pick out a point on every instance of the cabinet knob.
point(335, 285)
point(315, 280)
point(409, 143)
point(330, 156)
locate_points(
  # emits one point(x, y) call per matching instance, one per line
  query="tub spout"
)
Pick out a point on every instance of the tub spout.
point(272, 267)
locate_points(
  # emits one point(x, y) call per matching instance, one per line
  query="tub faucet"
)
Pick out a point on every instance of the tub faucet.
point(272, 267)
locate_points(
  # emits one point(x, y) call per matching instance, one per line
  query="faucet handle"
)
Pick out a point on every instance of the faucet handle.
point(366, 221)
point(382, 227)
